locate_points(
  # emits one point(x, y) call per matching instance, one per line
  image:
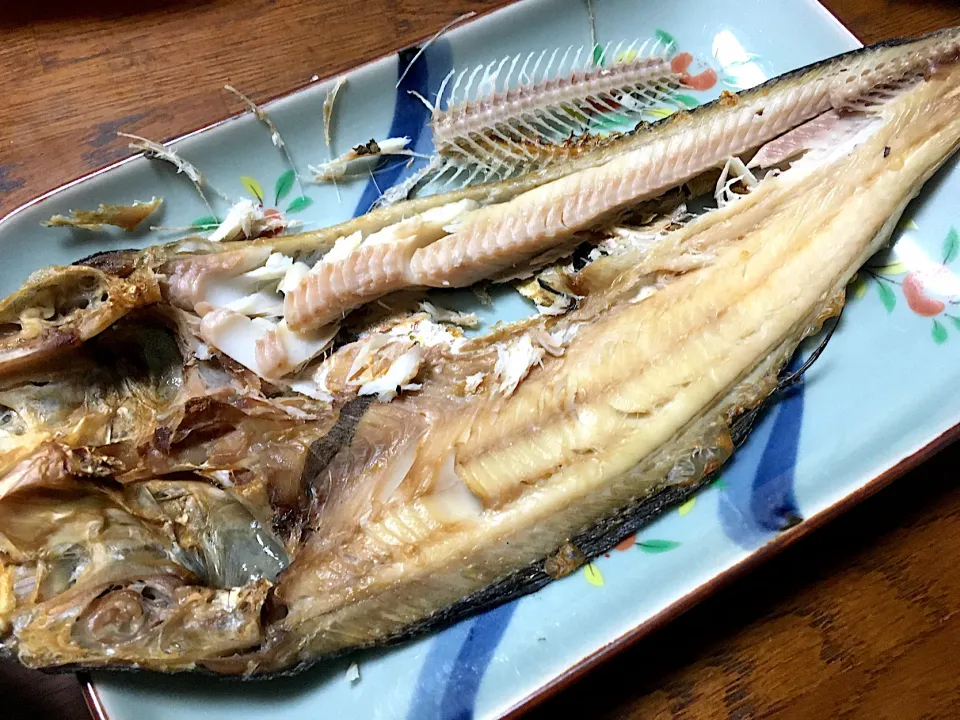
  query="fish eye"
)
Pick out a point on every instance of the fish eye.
point(115, 617)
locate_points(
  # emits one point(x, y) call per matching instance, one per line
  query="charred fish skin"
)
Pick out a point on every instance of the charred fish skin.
point(218, 520)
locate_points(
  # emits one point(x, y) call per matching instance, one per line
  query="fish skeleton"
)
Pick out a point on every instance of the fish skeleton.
point(494, 134)
point(197, 476)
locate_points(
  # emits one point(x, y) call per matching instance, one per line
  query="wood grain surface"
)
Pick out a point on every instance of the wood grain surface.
point(858, 620)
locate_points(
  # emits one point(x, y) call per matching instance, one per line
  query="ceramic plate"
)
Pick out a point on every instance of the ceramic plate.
point(882, 395)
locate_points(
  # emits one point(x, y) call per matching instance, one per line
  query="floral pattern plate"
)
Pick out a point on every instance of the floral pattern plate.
point(863, 414)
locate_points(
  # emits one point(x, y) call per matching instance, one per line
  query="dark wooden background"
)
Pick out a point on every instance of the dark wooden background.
point(859, 620)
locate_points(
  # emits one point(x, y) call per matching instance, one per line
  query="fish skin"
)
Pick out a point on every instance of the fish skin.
point(635, 410)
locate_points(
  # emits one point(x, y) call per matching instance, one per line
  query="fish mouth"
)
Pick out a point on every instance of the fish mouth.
point(240, 463)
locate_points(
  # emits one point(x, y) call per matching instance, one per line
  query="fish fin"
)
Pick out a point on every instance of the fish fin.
point(787, 381)
point(743, 424)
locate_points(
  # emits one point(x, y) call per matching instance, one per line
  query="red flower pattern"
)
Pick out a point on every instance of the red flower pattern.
point(703, 80)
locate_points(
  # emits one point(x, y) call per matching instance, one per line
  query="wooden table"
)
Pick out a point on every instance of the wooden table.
point(859, 620)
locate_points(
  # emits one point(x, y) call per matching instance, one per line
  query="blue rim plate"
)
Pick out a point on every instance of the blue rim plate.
point(863, 416)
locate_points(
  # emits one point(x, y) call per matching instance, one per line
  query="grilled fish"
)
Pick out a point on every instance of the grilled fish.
point(225, 457)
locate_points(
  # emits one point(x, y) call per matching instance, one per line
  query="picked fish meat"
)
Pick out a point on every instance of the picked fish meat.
point(246, 456)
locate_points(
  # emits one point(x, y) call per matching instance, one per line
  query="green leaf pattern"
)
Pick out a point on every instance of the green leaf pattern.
point(687, 100)
point(939, 332)
point(668, 41)
point(951, 245)
point(301, 203)
point(207, 222)
point(598, 55)
point(283, 186)
point(656, 546)
point(887, 296)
